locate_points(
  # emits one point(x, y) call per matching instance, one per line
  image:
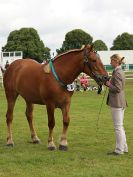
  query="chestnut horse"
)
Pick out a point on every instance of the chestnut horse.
point(51, 88)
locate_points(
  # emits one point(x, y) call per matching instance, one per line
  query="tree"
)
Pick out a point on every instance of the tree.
point(74, 40)
point(123, 42)
point(28, 41)
point(100, 45)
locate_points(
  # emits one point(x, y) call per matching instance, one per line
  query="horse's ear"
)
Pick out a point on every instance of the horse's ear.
point(91, 47)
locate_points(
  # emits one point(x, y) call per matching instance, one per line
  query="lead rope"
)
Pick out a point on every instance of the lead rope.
point(99, 113)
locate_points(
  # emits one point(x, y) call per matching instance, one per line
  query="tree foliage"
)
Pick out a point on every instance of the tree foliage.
point(100, 45)
point(74, 40)
point(123, 42)
point(28, 41)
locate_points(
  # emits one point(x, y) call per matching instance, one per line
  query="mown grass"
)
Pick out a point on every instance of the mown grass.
point(90, 138)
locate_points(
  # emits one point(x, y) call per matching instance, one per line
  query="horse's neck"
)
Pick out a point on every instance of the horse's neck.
point(68, 67)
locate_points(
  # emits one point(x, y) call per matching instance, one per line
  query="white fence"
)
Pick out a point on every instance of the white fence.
point(128, 74)
point(10, 57)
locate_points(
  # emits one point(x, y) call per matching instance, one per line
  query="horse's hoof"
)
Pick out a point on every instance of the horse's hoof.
point(63, 148)
point(51, 148)
point(36, 141)
point(10, 145)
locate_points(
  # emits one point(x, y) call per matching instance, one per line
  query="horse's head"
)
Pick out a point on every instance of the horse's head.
point(94, 67)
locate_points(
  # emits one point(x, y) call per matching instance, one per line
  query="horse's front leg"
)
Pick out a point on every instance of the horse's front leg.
point(51, 124)
point(63, 140)
point(29, 115)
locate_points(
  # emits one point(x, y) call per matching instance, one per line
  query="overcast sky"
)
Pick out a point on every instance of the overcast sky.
point(102, 19)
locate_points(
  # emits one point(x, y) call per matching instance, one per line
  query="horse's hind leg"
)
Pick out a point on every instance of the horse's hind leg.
point(51, 124)
point(11, 98)
point(29, 115)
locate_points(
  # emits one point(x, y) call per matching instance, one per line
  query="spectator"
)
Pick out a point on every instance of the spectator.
point(84, 82)
point(77, 85)
point(2, 70)
point(7, 64)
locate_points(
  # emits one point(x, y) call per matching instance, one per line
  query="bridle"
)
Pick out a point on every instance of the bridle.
point(101, 79)
point(86, 62)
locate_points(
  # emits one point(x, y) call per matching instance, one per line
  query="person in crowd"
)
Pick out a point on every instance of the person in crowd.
point(77, 85)
point(84, 82)
point(2, 70)
point(7, 64)
point(117, 102)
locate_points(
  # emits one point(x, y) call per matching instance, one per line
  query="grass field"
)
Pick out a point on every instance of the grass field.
point(89, 143)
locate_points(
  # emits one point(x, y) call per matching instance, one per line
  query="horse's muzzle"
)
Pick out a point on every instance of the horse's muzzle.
point(104, 79)
point(101, 79)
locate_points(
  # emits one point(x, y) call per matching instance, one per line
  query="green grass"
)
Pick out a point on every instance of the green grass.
point(89, 143)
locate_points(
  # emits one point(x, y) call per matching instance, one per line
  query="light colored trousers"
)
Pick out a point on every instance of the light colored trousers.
point(118, 117)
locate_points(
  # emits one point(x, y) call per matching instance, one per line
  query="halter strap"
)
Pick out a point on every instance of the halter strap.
point(96, 76)
point(55, 75)
point(86, 61)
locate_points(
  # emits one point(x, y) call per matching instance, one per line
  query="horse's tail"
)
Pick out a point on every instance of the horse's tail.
point(11, 73)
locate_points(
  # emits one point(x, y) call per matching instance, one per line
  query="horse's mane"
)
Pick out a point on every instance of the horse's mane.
point(47, 68)
point(70, 51)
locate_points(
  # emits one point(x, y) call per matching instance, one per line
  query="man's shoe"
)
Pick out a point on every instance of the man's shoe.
point(113, 153)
